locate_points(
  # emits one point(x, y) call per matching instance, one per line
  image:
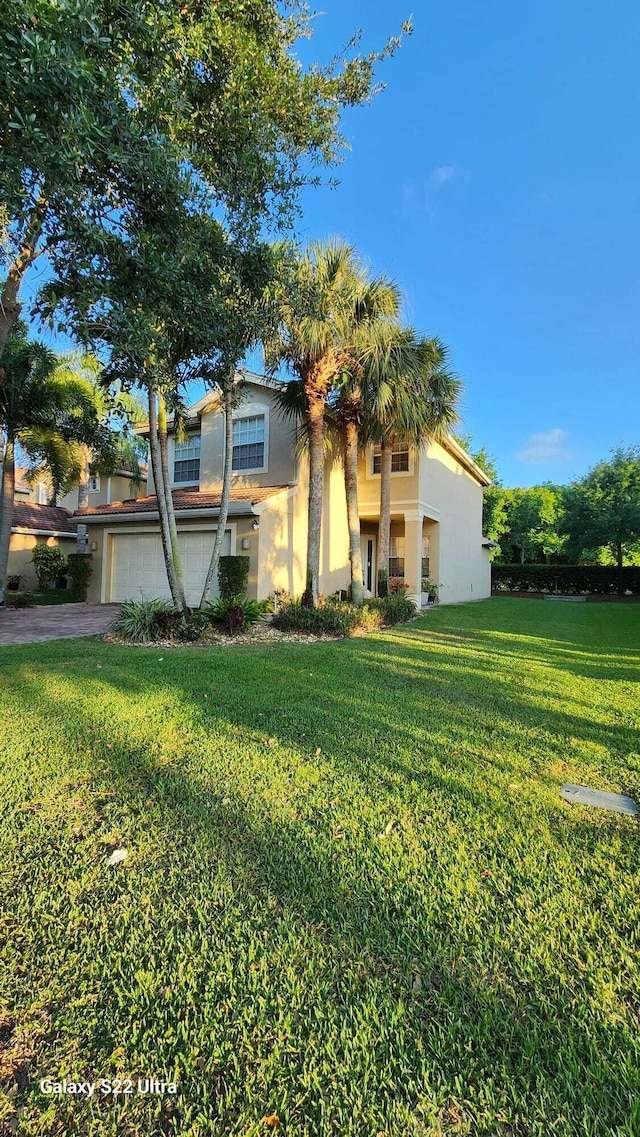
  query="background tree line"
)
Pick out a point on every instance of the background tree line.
point(594, 520)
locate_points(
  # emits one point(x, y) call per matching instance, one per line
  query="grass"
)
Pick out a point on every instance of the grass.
point(353, 900)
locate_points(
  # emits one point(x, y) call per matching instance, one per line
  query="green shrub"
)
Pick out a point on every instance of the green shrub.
point(49, 564)
point(79, 568)
point(191, 629)
point(233, 574)
point(237, 613)
point(143, 621)
point(339, 618)
point(19, 599)
point(565, 579)
point(397, 609)
point(331, 618)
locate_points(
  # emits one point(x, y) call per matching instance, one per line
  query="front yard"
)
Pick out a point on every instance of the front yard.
point(354, 903)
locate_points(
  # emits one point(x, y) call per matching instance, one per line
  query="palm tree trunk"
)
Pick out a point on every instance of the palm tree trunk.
point(317, 405)
point(83, 484)
point(156, 466)
point(353, 513)
point(226, 491)
point(166, 487)
point(6, 507)
point(384, 527)
point(10, 307)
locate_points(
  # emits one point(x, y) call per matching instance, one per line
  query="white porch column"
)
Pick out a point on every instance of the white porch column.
point(413, 555)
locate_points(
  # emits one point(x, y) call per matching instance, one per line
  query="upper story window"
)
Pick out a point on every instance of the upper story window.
point(399, 459)
point(186, 460)
point(248, 443)
point(42, 494)
point(94, 483)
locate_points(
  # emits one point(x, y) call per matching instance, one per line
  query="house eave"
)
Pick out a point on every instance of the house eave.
point(236, 509)
point(25, 531)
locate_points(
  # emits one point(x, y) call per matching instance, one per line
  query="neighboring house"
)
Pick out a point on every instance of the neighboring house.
point(103, 489)
point(36, 525)
point(436, 514)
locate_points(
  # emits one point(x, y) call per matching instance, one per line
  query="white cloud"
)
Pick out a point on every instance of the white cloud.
point(545, 446)
point(440, 176)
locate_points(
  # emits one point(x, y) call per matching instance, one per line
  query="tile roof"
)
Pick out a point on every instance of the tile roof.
point(48, 518)
point(183, 499)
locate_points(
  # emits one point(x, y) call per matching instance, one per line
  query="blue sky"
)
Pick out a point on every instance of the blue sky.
point(497, 178)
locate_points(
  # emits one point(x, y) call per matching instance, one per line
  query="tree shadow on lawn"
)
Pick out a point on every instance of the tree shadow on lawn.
point(455, 967)
point(586, 658)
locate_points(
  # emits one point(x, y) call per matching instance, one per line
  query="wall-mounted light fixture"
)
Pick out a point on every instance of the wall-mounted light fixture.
point(94, 546)
point(244, 544)
point(256, 523)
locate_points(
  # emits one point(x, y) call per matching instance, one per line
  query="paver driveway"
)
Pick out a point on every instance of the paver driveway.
point(53, 622)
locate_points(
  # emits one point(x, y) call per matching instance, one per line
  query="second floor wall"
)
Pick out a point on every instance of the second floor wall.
point(103, 489)
point(263, 445)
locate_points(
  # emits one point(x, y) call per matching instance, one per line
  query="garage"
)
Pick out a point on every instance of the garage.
point(138, 567)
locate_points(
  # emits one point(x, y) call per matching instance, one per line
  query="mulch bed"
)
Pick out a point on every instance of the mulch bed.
point(261, 634)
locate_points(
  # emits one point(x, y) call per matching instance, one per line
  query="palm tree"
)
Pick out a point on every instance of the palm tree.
point(327, 308)
point(421, 398)
point(365, 394)
point(48, 412)
point(70, 463)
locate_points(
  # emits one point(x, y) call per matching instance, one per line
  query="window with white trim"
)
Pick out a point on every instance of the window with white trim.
point(396, 556)
point(94, 483)
point(399, 459)
point(426, 556)
point(248, 443)
point(186, 460)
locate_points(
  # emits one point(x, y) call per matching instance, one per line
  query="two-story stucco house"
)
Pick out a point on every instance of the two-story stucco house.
point(436, 513)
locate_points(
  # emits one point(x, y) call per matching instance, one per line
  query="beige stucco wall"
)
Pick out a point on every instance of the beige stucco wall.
point(405, 487)
point(21, 548)
point(281, 465)
point(464, 569)
point(112, 488)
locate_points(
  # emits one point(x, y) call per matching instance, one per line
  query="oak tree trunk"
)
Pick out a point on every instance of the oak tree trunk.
point(10, 306)
point(226, 491)
point(156, 466)
point(168, 497)
point(6, 507)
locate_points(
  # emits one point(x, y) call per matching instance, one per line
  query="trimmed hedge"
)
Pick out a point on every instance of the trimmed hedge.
point(79, 569)
point(564, 579)
point(233, 574)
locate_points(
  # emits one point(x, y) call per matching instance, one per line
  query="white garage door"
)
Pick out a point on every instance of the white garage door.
point(138, 565)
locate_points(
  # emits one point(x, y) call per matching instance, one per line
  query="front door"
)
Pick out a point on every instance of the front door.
point(368, 549)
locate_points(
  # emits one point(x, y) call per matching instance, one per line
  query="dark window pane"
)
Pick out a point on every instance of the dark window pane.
point(188, 471)
point(249, 457)
point(396, 566)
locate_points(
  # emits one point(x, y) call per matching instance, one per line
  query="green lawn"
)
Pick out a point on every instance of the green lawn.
point(353, 897)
